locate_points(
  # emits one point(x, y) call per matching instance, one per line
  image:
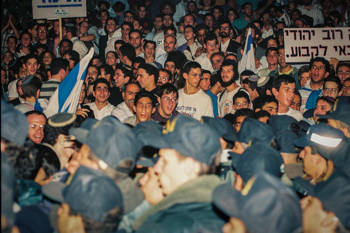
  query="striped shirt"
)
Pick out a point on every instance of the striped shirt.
point(48, 88)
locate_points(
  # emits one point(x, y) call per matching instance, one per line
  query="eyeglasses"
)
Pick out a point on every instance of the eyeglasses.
point(168, 99)
point(318, 68)
point(332, 90)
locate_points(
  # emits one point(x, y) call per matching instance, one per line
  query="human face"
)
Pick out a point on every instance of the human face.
point(304, 77)
point(129, 95)
point(82, 94)
point(83, 157)
point(330, 89)
point(271, 108)
point(128, 17)
point(238, 122)
point(204, 84)
point(169, 169)
point(296, 103)
point(71, 61)
point(170, 66)
point(150, 187)
point(119, 78)
point(211, 46)
point(346, 88)
point(216, 61)
point(322, 107)
point(135, 40)
point(189, 34)
point(281, 58)
point(158, 23)
point(36, 125)
point(110, 26)
point(163, 78)
point(343, 73)
point(272, 58)
point(169, 44)
point(224, 30)
point(193, 77)
point(104, 75)
point(125, 32)
point(111, 59)
point(142, 12)
point(101, 93)
point(227, 73)
point(42, 33)
point(47, 58)
point(7, 58)
point(200, 36)
point(143, 109)
point(285, 95)
point(315, 218)
point(91, 75)
point(167, 21)
point(144, 79)
point(32, 66)
point(25, 40)
point(318, 72)
point(209, 21)
point(167, 104)
point(240, 103)
point(312, 162)
point(149, 50)
point(84, 27)
point(11, 44)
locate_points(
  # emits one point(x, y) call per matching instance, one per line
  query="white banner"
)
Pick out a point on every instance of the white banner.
point(54, 9)
point(302, 44)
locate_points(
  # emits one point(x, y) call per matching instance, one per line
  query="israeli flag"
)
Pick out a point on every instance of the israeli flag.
point(66, 96)
point(248, 58)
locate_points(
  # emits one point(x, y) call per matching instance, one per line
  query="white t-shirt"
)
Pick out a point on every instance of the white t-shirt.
point(205, 63)
point(293, 113)
point(12, 89)
point(195, 105)
point(225, 103)
point(105, 111)
point(122, 111)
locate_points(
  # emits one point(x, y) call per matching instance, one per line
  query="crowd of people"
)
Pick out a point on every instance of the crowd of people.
point(172, 133)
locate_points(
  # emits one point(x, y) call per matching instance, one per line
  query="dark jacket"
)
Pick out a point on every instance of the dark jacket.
point(188, 209)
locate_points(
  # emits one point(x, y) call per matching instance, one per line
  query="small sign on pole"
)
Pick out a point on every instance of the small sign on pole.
point(54, 9)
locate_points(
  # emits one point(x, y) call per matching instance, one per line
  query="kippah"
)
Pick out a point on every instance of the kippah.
point(61, 119)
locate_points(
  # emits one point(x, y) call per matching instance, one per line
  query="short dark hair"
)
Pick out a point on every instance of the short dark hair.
point(329, 100)
point(190, 65)
point(130, 83)
point(144, 93)
point(119, 42)
point(277, 82)
point(139, 60)
point(332, 79)
point(323, 60)
point(261, 113)
point(100, 80)
point(150, 70)
point(210, 36)
point(303, 69)
point(167, 88)
point(31, 88)
point(30, 56)
point(240, 94)
point(343, 63)
point(108, 69)
point(74, 55)
point(268, 50)
point(149, 42)
point(243, 112)
point(260, 101)
point(57, 64)
point(128, 51)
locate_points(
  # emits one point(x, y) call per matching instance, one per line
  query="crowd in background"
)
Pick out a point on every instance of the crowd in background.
point(172, 133)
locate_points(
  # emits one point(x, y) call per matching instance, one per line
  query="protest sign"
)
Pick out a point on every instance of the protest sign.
point(55, 9)
point(302, 44)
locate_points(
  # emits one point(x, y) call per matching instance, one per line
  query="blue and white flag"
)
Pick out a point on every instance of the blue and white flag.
point(66, 96)
point(248, 58)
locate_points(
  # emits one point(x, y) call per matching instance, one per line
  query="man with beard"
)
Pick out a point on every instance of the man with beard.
point(319, 71)
point(126, 108)
point(91, 76)
point(228, 76)
point(227, 44)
